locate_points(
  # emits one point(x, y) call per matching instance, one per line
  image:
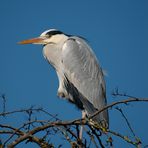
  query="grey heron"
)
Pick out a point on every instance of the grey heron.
point(81, 80)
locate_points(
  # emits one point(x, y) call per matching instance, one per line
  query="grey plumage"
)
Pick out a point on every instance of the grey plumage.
point(81, 79)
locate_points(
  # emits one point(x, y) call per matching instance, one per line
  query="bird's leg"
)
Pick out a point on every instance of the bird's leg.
point(81, 128)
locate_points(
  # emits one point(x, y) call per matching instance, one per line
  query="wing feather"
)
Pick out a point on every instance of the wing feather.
point(83, 71)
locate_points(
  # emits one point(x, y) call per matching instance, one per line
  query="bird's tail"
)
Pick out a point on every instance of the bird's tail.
point(101, 118)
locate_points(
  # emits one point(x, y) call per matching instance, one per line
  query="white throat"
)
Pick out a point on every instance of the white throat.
point(59, 38)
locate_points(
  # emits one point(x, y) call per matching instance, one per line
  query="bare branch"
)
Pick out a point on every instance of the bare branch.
point(128, 124)
point(125, 138)
point(119, 102)
point(69, 129)
point(20, 111)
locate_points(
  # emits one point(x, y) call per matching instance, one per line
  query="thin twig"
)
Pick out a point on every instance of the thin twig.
point(118, 102)
point(128, 124)
point(3, 96)
point(19, 111)
point(97, 136)
point(125, 138)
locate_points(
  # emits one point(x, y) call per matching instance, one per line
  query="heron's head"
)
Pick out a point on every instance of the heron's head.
point(51, 36)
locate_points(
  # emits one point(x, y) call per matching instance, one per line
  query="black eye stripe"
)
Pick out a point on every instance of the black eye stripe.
point(50, 33)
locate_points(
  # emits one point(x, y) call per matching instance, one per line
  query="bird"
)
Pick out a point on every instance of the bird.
point(81, 78)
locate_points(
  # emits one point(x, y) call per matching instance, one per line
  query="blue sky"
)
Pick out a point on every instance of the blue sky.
point(116, 30)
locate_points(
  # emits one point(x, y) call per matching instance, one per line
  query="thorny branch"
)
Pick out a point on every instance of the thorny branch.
point(69, 130)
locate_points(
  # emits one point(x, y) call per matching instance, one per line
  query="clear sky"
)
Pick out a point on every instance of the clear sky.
point(117, 30)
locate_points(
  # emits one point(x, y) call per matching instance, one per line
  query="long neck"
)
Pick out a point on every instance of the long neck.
point(53, 52)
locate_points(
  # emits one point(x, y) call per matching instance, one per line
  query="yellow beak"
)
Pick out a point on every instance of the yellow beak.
point(38, 40)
